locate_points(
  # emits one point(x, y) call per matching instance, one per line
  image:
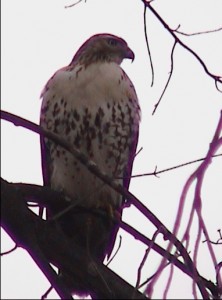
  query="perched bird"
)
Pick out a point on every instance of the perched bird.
point(92, 104)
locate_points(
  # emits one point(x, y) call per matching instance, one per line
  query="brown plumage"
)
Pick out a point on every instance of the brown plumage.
point(92, 103)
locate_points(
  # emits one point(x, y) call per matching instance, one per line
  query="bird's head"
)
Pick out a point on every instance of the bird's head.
point(103, 47)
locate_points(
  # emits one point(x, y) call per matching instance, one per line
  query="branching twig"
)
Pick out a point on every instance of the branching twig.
point(196, 33)
point(45, 196)
point(219, 241)
point(198, 175)
point(155, 173)
point(217, 78)
point(92, 167)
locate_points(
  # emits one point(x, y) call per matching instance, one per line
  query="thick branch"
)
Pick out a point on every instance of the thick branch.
point(21, 224)
point(131, 199)
point(46, 243)
point(92, 167)
point(44, 196)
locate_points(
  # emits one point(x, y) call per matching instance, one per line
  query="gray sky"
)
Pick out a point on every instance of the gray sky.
point(38, 37)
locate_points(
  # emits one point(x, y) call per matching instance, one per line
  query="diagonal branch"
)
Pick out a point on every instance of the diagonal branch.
point(13, 213)
point(131, 199)
point(216, 78)
point(46, 197)
point(46, 243)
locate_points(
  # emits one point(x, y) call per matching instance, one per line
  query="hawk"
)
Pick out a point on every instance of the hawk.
point(92, 104)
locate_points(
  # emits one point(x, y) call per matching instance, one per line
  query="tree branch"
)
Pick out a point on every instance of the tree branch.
point(131, 199)
point(217, 78)
point(46, 243)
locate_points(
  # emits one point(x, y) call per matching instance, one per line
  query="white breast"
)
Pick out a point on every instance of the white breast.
point(97, 111)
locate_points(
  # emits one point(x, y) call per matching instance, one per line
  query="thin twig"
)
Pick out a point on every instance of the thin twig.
point(139, 272)
point(92, 167)
point(168, 80)
point(155, 173)
point(9, 251)
point(216, 78)
point(198, 174)
point(218, 242)
point(45, 295)
point(74, 4)
point(169, 281)
point(147, 45)
point(196, 33)
point(117, 250)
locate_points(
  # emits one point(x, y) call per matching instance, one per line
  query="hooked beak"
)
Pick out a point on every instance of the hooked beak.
point(129, 54)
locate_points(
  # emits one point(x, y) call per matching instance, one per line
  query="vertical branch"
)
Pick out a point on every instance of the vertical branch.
point(147, 45)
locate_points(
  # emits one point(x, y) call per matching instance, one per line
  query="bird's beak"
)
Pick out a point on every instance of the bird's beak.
point(130, 54)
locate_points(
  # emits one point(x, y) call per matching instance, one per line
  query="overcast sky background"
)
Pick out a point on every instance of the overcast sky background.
point(41, 36)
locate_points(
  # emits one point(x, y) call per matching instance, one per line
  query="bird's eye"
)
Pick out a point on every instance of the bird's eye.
point(112, 42)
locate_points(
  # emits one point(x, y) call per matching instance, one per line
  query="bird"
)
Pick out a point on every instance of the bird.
point(93, 105)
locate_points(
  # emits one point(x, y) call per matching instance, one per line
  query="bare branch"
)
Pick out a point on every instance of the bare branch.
point(46, 243)
point(197, 33)
point(198, 174)
point(45, 295)
point(155, 173)
point(147, 45)
point(117, 250)
point(131, 199)
point(46, 197)
point(216, 78)
point(13, 213)
point(187, 268)
point(145, 258)
point(168, 80)
point(74, 4)
point(9, 251)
